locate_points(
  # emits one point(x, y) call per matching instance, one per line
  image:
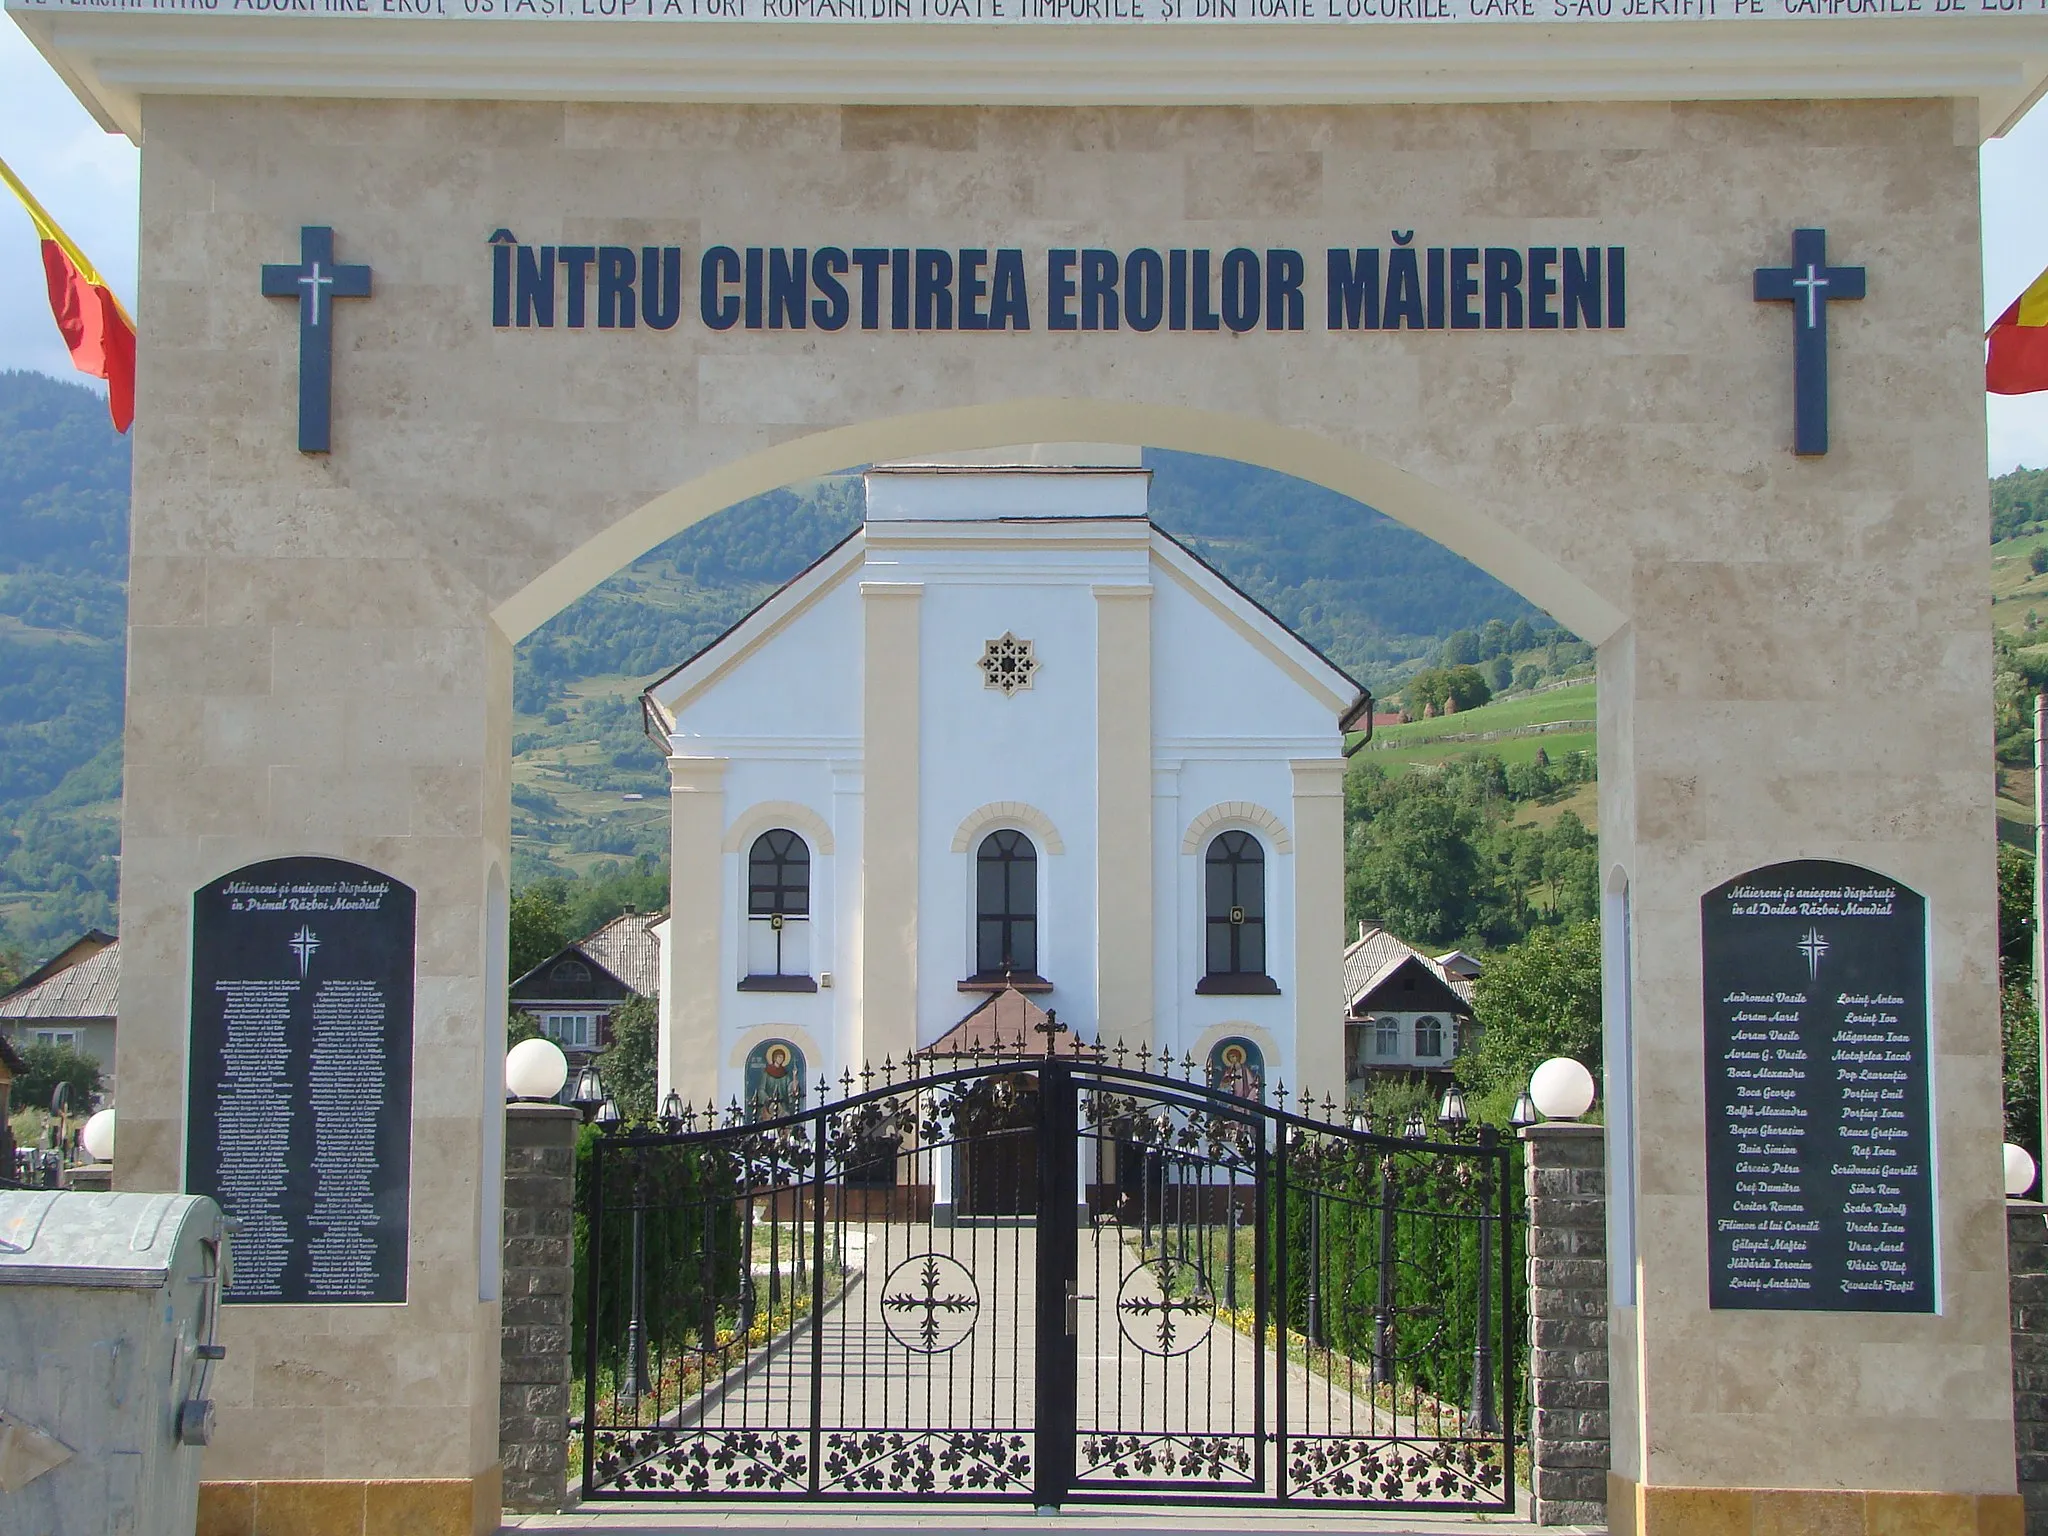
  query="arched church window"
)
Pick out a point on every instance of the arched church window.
point(779, 875)
point(774, 1083)
point(1238, 1066)
point(778, 914)
point(1429, 1037)
point(1006, 905)
point(1234, 912)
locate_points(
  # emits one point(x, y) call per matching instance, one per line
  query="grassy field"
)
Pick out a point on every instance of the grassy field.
point(1509, 729)
point(1517, 712)
point(574, 762)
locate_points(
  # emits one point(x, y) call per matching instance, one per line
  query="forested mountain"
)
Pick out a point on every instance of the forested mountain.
point(1377, 597)
point(63, 605)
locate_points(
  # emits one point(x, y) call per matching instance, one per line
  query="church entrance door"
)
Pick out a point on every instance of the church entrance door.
point(1194, 1297)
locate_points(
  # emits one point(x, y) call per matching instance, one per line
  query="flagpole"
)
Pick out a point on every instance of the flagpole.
point(2041, 913)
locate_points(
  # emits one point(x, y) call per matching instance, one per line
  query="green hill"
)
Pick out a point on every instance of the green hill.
point(1379, 598)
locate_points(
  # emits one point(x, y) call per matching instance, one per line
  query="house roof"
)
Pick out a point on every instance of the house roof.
point(665, 698)
point(1375, 962)
point(1009, 1025)
point(84, 982)
point(626, 947)
point(622, 959)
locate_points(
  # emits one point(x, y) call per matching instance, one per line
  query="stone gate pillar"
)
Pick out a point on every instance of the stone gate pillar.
point(1565, 1178)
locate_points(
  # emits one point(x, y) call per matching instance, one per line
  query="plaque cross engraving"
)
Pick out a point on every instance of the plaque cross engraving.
point(316, 282)
point(1809, 285)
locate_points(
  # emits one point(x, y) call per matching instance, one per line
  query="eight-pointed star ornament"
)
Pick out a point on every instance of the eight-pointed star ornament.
point(1008, 664)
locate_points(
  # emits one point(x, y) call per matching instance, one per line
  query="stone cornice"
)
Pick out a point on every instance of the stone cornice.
point(113, 59)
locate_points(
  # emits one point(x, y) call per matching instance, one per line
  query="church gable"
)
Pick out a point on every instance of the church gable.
point(789, 668)
point(1228, 668)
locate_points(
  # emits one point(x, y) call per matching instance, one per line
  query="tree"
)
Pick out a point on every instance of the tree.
point(520, 1026)
point(1425, 691)
point(1493, 638)
point(49, 1065)
point(539, 924)
point(1528, 675)
point(1461, 648)
point(1417, 869)
point(2021, 1027)
point(1521, 635)
point(1500, 673)
point(1466, 688)
point(1534, 1001)
point(13, 966)
point(2037, 560)
point(629, 1065)
point(2015, 915)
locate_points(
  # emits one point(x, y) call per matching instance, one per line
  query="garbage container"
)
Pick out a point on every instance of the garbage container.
point(109, 1306)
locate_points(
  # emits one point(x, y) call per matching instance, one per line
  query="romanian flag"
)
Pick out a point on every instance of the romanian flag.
point(2018, 364)
point(96, 328)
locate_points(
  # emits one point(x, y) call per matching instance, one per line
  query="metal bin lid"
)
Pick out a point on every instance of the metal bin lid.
point(104, 1240)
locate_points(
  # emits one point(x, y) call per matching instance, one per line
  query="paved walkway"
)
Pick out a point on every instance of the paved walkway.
point(928, 1352)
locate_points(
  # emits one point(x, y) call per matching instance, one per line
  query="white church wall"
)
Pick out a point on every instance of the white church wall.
point(802, 681)
point(1225, 686)
point(1228, 720)
point(758, 789)
point(1036, 747)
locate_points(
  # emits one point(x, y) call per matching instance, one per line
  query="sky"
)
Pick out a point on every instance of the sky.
point(87, 180)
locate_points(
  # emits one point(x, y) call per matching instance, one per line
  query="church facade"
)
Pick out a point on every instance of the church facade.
point(1008, 735)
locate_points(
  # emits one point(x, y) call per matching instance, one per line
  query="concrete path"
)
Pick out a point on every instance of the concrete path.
point(928, 1351)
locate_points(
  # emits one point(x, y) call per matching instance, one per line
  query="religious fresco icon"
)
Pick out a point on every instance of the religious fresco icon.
point(774, 1083)
point(1238, 1066)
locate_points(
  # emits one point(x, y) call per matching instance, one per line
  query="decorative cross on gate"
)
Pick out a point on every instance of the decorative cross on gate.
point(316, 282)
point(1052, 1029)
point(933, 1271)
point(1809, 285)
point(1163, 1315)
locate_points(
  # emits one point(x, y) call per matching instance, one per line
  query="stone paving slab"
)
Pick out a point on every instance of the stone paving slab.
point(1011, 1520)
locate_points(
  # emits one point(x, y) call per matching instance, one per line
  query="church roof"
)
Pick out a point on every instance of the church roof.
point(1008, 1024)
point(1377, 964)
point(83, 982)
point(664, 698)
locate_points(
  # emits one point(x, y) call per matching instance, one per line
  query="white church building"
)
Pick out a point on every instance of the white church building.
point(1006, 735)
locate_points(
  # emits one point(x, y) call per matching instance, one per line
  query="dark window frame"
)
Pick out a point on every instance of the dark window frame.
point(1006, 914)
point(779, 870)
point(1234, 936)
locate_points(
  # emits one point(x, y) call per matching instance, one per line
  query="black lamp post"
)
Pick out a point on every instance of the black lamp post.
point(589, 1094)
point(1451, 1114)
point(1416, 1128)
point(672, 1111)
point(1524, 1113)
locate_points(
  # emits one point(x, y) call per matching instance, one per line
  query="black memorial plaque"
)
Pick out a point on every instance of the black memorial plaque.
point(1820, 1179)
point(299, 1110)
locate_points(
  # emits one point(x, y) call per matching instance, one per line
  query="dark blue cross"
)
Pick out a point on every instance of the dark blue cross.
point(1809, 285)
point(316, 282)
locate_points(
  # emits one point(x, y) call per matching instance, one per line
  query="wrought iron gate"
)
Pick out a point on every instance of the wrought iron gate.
point(1050, 1278)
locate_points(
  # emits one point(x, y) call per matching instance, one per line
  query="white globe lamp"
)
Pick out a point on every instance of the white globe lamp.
point(535, 1069)
point(97, 1137)
point(2019, 1171)
point(1562, 1089)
